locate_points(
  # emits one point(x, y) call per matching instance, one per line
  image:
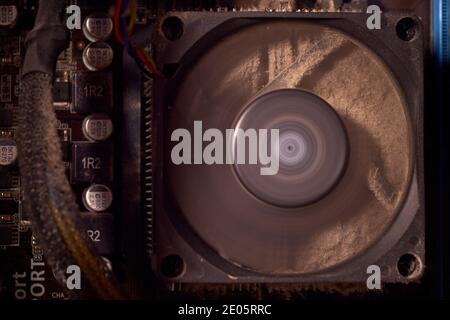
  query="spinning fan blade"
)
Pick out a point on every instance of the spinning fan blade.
point(348, 157)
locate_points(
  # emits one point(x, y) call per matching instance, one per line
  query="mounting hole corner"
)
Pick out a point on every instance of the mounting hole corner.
point(407, 29)
point(172, 28)
point(172, 266)
point(409, 266)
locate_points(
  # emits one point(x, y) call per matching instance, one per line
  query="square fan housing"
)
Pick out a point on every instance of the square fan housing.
point(180, 254)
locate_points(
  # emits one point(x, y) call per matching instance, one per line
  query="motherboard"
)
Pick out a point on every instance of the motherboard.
point(349, 96)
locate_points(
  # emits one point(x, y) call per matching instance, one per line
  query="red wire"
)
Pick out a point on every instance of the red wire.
point(148, 63)
point(139, 53)
point(117, 22)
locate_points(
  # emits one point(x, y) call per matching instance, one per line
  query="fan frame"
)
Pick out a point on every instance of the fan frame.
point(202, 263)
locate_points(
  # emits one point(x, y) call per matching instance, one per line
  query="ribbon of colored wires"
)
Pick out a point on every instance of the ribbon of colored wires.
point(117, 24)
point(121, 30)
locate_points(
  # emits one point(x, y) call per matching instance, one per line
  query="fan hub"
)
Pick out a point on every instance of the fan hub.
point(312, 147)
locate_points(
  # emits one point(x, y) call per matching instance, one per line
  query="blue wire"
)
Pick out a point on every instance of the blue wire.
point(124, 29)
point(126, 36)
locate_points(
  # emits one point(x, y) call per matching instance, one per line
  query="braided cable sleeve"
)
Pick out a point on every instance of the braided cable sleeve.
point(48, 198)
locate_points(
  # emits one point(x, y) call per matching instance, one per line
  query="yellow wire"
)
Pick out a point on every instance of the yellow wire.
point(133, 18)
point(82, 255)
point(156, 71)
point(133, 15)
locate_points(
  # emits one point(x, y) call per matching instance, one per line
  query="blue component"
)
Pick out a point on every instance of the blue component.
point(440, 30)
point(441, 55)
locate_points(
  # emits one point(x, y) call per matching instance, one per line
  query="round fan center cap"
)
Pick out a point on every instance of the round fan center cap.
point(312, 148)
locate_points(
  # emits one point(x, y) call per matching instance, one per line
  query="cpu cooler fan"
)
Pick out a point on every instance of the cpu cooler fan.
point(348, 105)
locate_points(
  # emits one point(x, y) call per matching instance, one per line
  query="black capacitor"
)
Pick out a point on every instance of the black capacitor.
point(92, 162)
point(61, 93)
point(99, 230)
point(92, 92)
point(9, 234)
point(8, 207)
point(7, 179)
point(7, 118)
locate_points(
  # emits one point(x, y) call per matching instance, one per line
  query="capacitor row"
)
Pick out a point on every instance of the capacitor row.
point(96, 127)
point(98, 55)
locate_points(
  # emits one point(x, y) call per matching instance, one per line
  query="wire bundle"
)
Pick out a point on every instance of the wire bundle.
point(122, 32)
point(48, 199)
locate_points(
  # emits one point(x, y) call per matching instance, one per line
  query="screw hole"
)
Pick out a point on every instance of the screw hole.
point(172, 266)
point(406, 29)
point(173, 28)
point(409, 265)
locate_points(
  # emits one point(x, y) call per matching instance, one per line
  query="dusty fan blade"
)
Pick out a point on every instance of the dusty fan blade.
point(279, 225)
